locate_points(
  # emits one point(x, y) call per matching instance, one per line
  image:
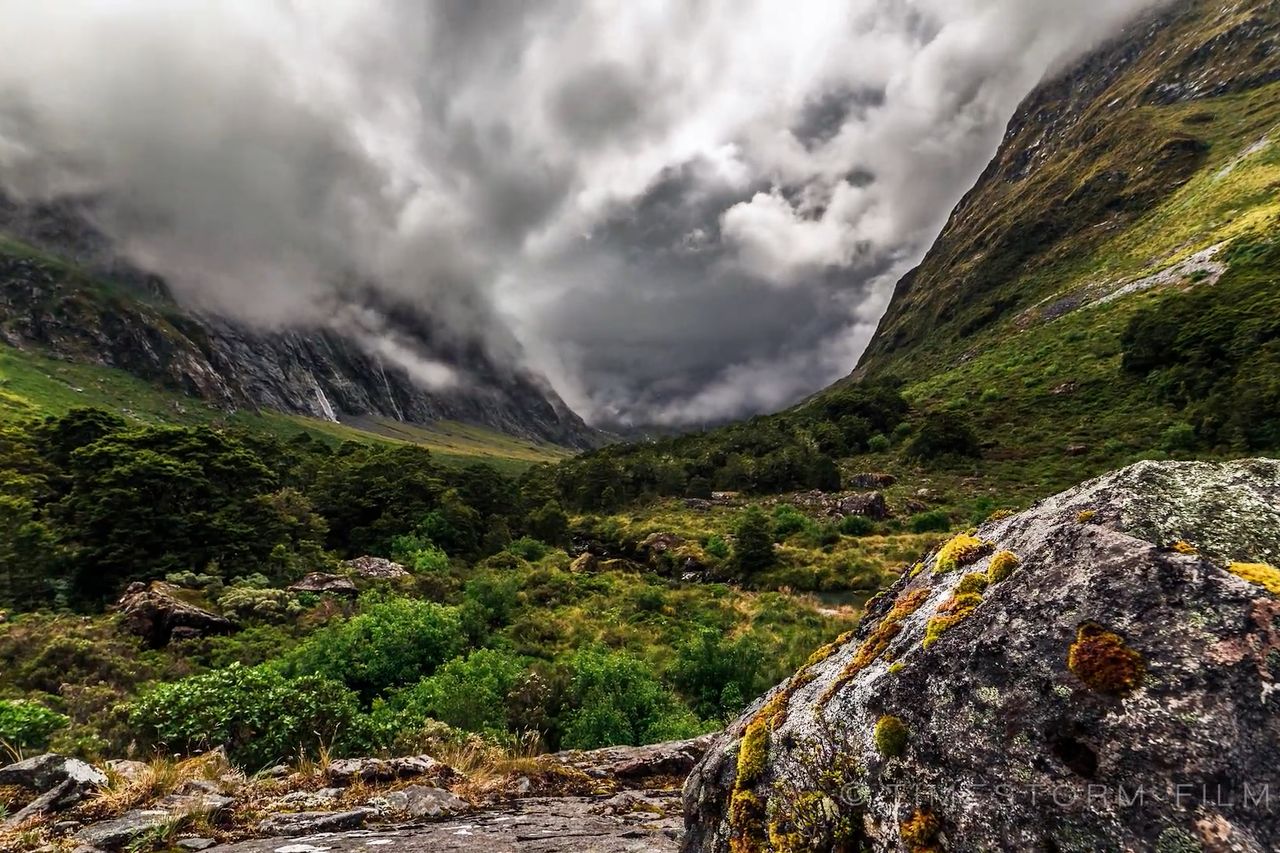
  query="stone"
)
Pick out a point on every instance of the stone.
point(585, 562)
point(308, 823)
point(345, 771)
point(120, 832)
point(61, 783)
point(194, 843)
point(871, 504)
point(156, 613)
point(376, 568)
point(307, 800)
point(872, 480)
point(1103, 662)
point(418, 802)
point(638, 763)
point(1077, 449)
point(130, 771)
point(324, 583)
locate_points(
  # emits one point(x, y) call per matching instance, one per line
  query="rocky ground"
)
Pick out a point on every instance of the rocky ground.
point(618, 800)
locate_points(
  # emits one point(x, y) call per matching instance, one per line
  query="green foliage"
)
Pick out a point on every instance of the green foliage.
point(262, 605)
point(857, 525)
point(787, 521)
point(419, 554)
point(878, 443)
point(942, 434)
point(258, 714)
point(753, 542)
point(549, 523)
point(390, 644)
point(717, 547)
point(619, 701)
point(528, 549)
point(932, 521)
point(715, 673)
point(27, 726)
point(468, 693)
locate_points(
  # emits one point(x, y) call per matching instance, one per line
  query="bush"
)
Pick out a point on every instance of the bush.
point(27, 726)
point(528, 549)
point(878, 443)
point(716, 546)
point(933, 521)
point(1179, 436)
point(467, 693)
point(753, 546)
point(787, 521)
point(857, 525)
point(716, 674)
point(942, 434)
point(619, 701)
point(267, 605)
point(391, 644)
point(257, 713)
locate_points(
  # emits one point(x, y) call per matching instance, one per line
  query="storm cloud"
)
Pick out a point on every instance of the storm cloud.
point(680, 212)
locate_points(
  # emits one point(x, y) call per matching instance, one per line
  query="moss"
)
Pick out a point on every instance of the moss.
point(746, 823)
point(829, 649)
point(897, 667)
point(1002, 565)
point(940, 625)
point(960, 551)
point(960, 602)
point(1085, 516)
point(890, 736)
point(1103, 662)
point(920, 831)
point(753, 751)
point(915, 570)
point(1185, 548)
point(878, 641)
point(1176, 840)
point(999, 515)
point(974, 582)
point(1261, 574)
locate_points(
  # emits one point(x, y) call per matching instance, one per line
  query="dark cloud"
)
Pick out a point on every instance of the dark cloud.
point(680, 212)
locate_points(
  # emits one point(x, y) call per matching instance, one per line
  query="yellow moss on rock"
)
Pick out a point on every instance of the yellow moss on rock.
point(960, 551)
point(919, 832)
point(1267, 577)
point(1085, 516)
point(890, 736)
point(875, 644)
point(1183, 547)
point(974, 582)
point(1002, 565)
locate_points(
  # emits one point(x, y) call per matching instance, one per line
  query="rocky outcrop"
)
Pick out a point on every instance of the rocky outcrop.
point(376, 568)
point(348, 771)
point(1099, 672)
point(59, 782)
point(157, 613)
point(638, 763)
point(323, 582)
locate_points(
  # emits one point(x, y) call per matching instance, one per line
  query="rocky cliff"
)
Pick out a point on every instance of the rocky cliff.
point(63, 291)
point(1087, 155)
point(1096, 673)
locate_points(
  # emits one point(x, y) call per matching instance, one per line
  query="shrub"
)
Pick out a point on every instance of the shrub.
point(933, 521)
point(857, 525)
point(878, 443)
point(528, 549)
point(942, 434)
point(753, 546)
point(257, 714)
point(787, 521)
point(717, 547)
point(391, 644)
point(619, 701)
point(1179, 436)
point(468, 693)
point(267, 605)
point(711, 668)
point(28, 725)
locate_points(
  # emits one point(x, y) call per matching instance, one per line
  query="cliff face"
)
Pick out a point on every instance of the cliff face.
point(1087, 154)
point(72, 298)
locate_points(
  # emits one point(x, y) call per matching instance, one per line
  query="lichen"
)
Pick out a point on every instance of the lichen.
point(1002, 565)
point(960, 551)
point(829, 649)
point(1085, 516)
point(915, 570)
point(999, 515)
point(1184, 547)
point(753, 751)
point(919, 832)
point(1260, 574)
point(890, 736)
point(1101, 659)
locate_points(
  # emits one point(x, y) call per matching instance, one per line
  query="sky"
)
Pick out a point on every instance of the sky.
point(678, 212)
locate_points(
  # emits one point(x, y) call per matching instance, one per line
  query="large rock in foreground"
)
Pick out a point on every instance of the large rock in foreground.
point(1093, 674)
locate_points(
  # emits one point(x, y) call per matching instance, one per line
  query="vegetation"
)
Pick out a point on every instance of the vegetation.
point(1104, 663)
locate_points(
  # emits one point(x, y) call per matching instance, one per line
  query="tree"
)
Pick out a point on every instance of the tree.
point(944, 433)
point(549, 524)
point(753, 545)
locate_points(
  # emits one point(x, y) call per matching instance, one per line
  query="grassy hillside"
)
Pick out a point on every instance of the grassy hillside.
point(32, 385)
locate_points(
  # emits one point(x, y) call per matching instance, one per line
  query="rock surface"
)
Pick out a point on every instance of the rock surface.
point(157, 613)
point(308, 823)
point(645, 824)
point(631, 763)
point(376, 568)
point(1113, 689)
point(61, 782)
point(347, 771)
point(322, 582)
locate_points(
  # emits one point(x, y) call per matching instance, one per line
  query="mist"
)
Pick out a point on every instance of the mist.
point(679, 212)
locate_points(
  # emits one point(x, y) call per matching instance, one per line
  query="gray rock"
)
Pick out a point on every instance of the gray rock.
point(1108, 693)
point(61, 782)
point(307, 823)
point(376, 568)
point(322, 582)
point(157, 614)
point(559, 825)
point(118, 833)
point(194, 843)
point(128, 770)
point(631, 764)
point(307, 800)
point(418, 802)
point(344, 771)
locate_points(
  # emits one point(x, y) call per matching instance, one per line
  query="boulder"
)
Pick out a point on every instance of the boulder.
point(872, 480)
point(585, 562)
point(869, 504)
point(59, 781)
point(346, 771)
point(376, 568)
point(121, 832)
point(638, 763)
point(417, 802)
point(1099, 672)
point(307, 823)
point(322, 582)
point(157, 613)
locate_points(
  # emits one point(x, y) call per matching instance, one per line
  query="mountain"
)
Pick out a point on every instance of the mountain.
point(64, 292)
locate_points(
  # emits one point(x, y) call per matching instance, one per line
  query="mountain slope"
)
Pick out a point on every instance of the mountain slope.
point(1100, 177)
point(63, 293)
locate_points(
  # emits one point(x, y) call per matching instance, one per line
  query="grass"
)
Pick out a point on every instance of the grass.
point(33, 385)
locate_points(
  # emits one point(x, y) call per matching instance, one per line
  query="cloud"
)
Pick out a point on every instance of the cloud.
point(679, 211)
